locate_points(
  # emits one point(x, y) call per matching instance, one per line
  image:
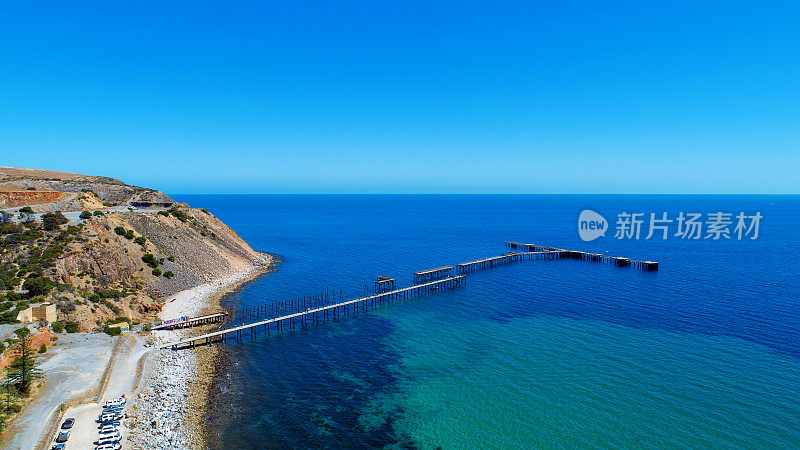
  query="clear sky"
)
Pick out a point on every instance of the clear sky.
point(373, 97)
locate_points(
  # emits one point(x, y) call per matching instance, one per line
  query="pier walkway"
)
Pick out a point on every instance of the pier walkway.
point(586, 256)
point(322, 307)
point(488, 263)
point(185, 322)
point(321, 313)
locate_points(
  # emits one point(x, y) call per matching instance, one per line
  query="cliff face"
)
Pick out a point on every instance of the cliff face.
point(109, 190)
point(113, 263)
point(12, 198)
point(156, 255)
point(195, 251)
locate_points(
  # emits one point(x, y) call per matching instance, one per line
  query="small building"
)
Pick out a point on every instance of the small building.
point(42, 311)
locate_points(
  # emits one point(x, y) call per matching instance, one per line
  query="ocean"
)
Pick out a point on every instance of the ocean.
point(703, 353)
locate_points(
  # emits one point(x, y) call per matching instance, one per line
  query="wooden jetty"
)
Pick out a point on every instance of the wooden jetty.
point(319, 307)
point(433, 274)
point(185, 322)
point(586, 256)
point(385, 283)
point(533, 247)
point(321, 313)
point(511, 257)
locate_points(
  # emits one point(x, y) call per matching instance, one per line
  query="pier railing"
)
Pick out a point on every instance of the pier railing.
point(586, 256)
point(320, 313)
point(324, 306)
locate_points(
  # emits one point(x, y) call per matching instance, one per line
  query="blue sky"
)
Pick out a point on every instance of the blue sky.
point(372, 97)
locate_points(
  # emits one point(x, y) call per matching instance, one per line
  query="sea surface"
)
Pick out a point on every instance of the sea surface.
point(703, 353)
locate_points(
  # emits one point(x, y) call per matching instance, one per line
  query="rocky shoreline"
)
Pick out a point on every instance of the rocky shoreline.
point(171, 402)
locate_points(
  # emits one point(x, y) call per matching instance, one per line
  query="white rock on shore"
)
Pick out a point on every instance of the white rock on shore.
point(159, 412)
point(158, 418)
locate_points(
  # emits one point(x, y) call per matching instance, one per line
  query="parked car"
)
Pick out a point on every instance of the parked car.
point(107, 441)
point(113, 446)
point(109, 417)
point(67, 424)
point(62, 437)
point(58, 447)
point(109, 433)
point(115, 402)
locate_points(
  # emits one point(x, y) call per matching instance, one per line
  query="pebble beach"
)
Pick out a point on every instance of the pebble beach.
point(170, 403)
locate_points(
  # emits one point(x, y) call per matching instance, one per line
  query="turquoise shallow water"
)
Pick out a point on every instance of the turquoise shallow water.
point(563, 383)
point(705, 353)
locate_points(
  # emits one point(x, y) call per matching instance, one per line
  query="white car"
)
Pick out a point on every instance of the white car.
point(110, 436)
point(113, 446)
point(115, 402)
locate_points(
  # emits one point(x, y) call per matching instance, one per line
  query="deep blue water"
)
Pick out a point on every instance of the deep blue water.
point(544, 354)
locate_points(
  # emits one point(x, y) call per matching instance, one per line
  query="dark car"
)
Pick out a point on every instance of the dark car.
point(62, 437)
point(67, 424)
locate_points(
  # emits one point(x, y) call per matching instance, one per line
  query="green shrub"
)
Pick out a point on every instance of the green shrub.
point(8, 280)
point(26, 210)
point(37, 286)
point(156, 272)
point(129, 234)
point(140, 240)
point(109, 293)
point(113, 308)
point(112, 331)
point(57, 327)
point(10, 228)
point(119, 230)
point(9, 317)
point(71, 327)
point(43, 348)
point(163, 213)
point(97, 213)
point(94, 298)
point(171, 258)
point(85, 215)
point(22, 332)
point(180, 215)
point(168, 274)
point(150, 260)
point(52, 221)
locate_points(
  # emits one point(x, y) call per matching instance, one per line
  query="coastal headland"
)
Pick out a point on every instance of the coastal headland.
point(112, 259)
